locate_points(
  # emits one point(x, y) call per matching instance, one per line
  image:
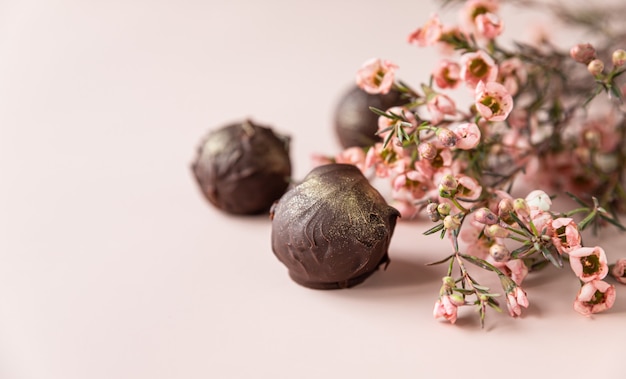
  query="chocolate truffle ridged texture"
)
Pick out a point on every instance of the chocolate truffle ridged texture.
point(243, 168)
point(332, 230)
point(355, 124)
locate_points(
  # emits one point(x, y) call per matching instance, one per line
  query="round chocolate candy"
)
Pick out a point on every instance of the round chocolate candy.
point(243, 168)
point(332, 230)
point(355, 124)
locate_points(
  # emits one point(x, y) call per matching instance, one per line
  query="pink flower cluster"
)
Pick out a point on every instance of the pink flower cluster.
point(458, 162)
point(546, 234)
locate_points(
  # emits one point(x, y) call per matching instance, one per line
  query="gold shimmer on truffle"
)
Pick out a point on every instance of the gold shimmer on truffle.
point(333, 230)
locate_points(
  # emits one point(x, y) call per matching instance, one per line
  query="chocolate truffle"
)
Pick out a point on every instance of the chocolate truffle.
point(332, 230)
point(355, 124)
point(243, 168)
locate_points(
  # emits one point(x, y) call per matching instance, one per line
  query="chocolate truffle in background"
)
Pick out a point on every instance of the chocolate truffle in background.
point(332, 230)
point(243, 168)
point(355, 124)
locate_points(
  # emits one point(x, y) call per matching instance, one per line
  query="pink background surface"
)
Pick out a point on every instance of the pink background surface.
point(112, 265)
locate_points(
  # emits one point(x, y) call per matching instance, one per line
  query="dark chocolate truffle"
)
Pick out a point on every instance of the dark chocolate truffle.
point(243, 168)
point(355, 124)
point(333, 230)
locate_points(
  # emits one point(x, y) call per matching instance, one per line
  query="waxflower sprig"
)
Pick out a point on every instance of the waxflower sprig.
point(530, 120)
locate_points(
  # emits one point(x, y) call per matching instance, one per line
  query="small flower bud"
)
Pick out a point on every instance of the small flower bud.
point(451, 223)
point(457, 299)
point(446, 137)
point(431, 211)
point(619, 57)
point(485, 216)
point(444, 209)
point(448, 282)
point(505, 206)
point(499, 252)
point(595, 67)
point(521, 207)
point(448, 183)
point(583, 53)
point(496, 231)
point(427, 150)
point(592, 138)
point(606, 163)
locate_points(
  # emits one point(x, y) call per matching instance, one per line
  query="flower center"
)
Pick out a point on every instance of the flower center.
point(492, 103)
point(378, 78)
point(560, 232)
point(479, 68)
point(388, 155)
point(478, 11)
point(591, 264)
point(598, 298)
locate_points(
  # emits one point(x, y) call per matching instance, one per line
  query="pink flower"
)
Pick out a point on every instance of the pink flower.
point(385, 160)
point(565, 235)
point(412, 181)
point(475, 8)
point(594, 296)
point(376, 76)
point(512, 74)
point(447, 74)
point(447, 307)
point(515, 299)
point(539, 200)
point(589, 263)
point(542, 221)
point(407, 209)
point(320, 160)
point(469, 190)
point(489, 25)
point(517, 270)
point(619, 271)
point(493, 101)
point(601, 133)
point(427, 35)
point(476, 67)
point(468, 134)
point(440, 105)
point(478, 247)
point(352, 155)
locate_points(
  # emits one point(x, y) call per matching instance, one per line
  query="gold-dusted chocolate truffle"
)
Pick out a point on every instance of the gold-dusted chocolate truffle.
point(332, 230)
point(243, 168)
point(355, 124)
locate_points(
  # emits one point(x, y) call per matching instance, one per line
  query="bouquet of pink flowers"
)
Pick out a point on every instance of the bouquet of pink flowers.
point(549, 119)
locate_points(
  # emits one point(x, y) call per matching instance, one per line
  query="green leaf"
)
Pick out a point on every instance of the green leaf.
point(495, 305)
point(480, 288)
point(613, 222)
point(441, 261)
point(587, 220)
point(464, 291)
point(553, 257)
point(434, 229)
point(577, 199)
point(478, 262)
point(387, 140)
point(520, 223)
point(521, 251)
point(380, 112)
